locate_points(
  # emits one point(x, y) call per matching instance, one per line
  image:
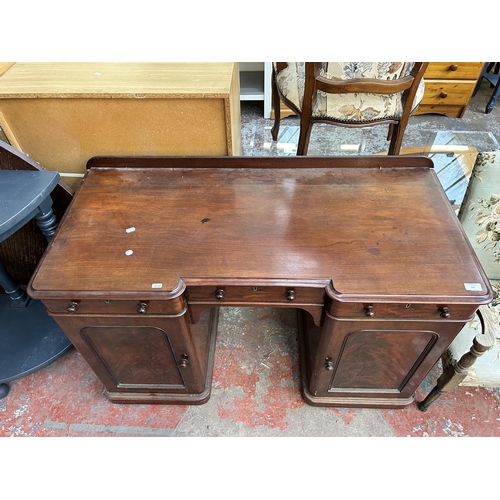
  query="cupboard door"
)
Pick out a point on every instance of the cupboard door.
point(374, 358)
point(379, 360)
point(140, 355)
point(136, 357)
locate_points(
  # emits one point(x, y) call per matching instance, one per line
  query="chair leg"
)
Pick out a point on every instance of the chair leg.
point(275, 100)
point(454, 373)
point(493, 99)
point(390, 132)
point(305, 134)
point(396, 133)
point(480, 79)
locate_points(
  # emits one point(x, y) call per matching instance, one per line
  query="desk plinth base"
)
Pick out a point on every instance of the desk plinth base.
point(337, 400)
point(158, 398)
point(343, 402)
point(173, 398)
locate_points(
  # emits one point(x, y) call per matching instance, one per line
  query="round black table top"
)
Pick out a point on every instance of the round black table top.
point(21, 193)
point(29, 338)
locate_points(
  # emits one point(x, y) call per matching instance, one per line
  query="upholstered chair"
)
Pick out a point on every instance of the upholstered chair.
point(349, 94)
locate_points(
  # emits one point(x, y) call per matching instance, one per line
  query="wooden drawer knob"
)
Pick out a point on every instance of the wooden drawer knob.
point(219, 294)
point(142, 307)
point(369, 311)
point(443, 94)
point(444, 312)
point(72, 307)
point(453, 67)
point(184, 361)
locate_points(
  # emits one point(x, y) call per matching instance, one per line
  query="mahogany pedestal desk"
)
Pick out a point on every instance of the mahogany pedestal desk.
point(367, 249)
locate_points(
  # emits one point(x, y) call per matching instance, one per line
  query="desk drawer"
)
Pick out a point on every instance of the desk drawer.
point(453, 70)
point(113, 306)
point(257, 294)
point(373, 310)
point(447, 92)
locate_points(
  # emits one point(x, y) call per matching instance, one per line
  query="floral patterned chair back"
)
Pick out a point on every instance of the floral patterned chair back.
point(348, 106)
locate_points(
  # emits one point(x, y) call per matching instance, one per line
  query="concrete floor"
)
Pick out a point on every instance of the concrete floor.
point(255, 392)
point(256, 383)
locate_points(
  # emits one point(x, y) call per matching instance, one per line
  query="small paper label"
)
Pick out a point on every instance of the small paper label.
point(473, 287)
point(130, 230)
point(156, 285)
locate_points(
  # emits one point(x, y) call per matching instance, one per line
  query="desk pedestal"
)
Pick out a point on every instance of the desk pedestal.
point(375, 363)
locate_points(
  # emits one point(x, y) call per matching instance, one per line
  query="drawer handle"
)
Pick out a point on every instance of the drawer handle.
point(72, 307)
point(328, 364)
point(219, 294)
point(453, 67)
point(184, 361)
point(443, 95)
point(290, 295)
point(444, 312)
point(142, 307)
point(369, 311)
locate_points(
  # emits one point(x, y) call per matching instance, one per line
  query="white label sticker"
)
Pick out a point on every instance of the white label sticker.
point(130, 230)
point(473, 287)
point(156, 285)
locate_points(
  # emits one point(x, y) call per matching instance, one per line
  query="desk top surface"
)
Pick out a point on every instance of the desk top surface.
point(126, 80)
point(370, 231)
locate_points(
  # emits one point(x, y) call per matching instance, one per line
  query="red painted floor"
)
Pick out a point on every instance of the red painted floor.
point(255, 392)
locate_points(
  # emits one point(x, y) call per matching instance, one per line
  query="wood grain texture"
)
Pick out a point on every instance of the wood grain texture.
point(117, 80)
point(359, 227)
point(147, 248)
point(369, 363)
point(61, 114)
point(448, 87)
point(5, 66)
point(453, 70)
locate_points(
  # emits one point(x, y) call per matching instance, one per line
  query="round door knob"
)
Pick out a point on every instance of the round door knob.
point(328, 364)
point(290, 295)
point(453, 67)
point(444, 312)
point(184, 361)
point(72, 307)
point(369, 311)
point(142, 307)
point(219, 294)
point(443, 94)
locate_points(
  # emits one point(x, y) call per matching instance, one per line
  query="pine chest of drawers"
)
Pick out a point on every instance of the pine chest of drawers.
point(449, 87)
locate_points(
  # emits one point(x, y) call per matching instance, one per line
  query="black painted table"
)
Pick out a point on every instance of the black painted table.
point(29, 338)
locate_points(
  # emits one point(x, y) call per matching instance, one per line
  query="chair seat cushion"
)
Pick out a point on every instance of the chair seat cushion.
point(350, 108)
